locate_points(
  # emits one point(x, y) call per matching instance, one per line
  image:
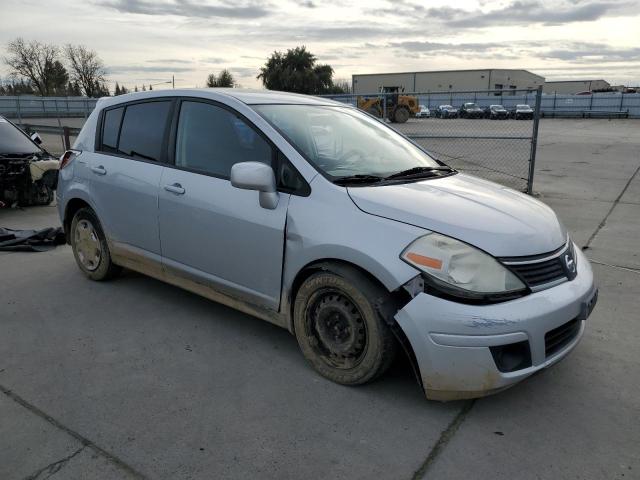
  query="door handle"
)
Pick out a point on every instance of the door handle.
point(175, 188)
point(99, 170)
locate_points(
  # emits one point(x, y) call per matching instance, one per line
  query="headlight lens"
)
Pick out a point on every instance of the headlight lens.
point(461, 266)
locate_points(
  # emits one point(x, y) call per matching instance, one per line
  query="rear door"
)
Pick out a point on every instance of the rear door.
point(125, 174)
point(213, 233)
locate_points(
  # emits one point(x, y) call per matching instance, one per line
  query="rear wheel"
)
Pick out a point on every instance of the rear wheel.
point(90, 247)
point(339, 329)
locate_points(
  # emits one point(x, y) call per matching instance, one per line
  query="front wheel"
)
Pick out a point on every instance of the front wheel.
point(339, 329)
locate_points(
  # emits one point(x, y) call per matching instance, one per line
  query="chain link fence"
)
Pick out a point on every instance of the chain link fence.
point(496, 146)
point(491, 134)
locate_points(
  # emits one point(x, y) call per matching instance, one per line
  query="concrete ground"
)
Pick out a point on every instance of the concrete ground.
point(137, 379)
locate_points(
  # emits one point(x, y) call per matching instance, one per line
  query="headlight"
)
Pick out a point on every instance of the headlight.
point(462, 269)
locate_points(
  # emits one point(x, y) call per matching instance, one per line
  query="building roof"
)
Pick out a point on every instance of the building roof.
point(451, 71)
point(577, 81)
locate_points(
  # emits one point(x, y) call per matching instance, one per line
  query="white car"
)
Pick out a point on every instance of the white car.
point(424, 112)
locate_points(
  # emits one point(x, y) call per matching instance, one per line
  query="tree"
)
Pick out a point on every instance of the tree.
point(296, 71)
point(116, 91)
point(35, 61)
point(224, 79)
point(86, 68)
point(16, 87)
point(59, 78)
point(150, 87)
point(135, 89)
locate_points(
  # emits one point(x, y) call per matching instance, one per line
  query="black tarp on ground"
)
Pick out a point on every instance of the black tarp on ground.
point(30, 240)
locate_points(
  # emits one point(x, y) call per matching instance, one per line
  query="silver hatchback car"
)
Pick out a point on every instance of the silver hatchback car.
point(320, 219)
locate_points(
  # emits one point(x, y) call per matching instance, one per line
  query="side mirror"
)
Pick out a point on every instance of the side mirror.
point(35, 138)
point(256, 176)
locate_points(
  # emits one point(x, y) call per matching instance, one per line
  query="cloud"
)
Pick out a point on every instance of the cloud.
point(525, 12)
point(593, 52)
point(187, 8)
point(168, 60)
point(145, 69)
point(519, 12)
point(213, 60)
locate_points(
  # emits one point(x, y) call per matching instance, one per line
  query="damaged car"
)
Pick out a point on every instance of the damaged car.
point(318, 218)
point(28, 173)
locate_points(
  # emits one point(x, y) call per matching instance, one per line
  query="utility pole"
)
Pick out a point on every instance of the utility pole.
point(173, 81)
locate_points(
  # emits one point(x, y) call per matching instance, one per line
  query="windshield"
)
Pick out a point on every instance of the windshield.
point(497, 107)
point(523, 106)
point(470, 105)
point(445, 106)
point(342, 141)
point(13, 141)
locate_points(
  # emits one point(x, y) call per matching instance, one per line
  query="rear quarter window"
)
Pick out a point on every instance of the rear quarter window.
point(136, 130)
point(111, 128)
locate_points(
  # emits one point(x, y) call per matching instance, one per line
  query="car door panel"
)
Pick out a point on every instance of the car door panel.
point(221, 233)
point(125, 194)
point(210, 231)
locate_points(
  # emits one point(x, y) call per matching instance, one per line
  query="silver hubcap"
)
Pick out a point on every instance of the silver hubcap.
point(87, 245)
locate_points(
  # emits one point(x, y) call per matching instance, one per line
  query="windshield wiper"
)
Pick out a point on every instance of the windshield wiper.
point(419, 172)
point(360, 178)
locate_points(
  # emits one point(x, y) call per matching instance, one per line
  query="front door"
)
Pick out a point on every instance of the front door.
point(211, 232)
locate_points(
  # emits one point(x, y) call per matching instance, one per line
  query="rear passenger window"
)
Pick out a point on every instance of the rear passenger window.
point(212, 139)
point(110, 129)
point(143, 127)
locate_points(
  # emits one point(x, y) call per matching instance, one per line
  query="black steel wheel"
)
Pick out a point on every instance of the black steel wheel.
point(339, 329)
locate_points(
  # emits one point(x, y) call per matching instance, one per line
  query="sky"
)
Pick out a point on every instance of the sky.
point(149, 41)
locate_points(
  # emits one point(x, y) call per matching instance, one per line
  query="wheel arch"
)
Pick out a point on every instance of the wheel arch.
point(72, 206)
point(398, 298)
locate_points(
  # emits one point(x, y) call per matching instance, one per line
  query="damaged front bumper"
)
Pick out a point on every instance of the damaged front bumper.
point(468, 351)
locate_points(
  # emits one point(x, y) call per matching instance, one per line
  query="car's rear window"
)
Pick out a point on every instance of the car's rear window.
point(13, 141)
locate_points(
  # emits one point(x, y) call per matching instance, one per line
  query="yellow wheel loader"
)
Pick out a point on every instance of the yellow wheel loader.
point(399, 108)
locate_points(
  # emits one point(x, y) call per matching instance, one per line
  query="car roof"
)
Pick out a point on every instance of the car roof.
point(247, 96)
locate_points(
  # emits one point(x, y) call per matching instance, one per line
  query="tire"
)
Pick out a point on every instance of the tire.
point(328, 309)
point(85, 235)
point(401, 115)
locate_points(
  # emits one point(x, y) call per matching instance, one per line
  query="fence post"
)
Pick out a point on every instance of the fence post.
point(65, 138)
point(534, 141)
point(621, 101)
point(18, 107)
point(384, 108)
point(55, 103)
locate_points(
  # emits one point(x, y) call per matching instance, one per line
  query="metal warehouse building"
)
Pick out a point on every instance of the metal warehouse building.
point(444, 80)
point(574, 86)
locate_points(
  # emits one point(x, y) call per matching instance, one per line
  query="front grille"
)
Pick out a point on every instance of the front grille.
point(538, 270)
point(535, 274)
point(558, 338)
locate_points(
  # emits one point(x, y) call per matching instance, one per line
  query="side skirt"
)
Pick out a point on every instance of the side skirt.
point(134, 259)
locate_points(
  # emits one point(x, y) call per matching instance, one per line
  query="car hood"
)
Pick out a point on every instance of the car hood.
point(497, 219)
